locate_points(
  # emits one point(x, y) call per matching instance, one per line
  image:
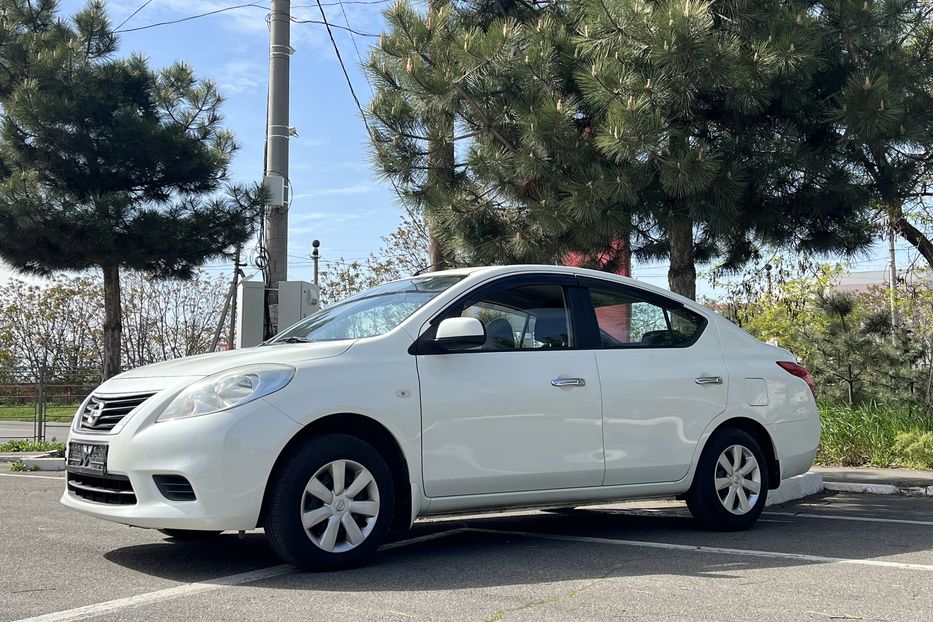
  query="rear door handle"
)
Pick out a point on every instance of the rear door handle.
point(708, 380)
point(568, 382)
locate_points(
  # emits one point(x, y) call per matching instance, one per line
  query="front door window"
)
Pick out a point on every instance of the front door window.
point(533, 317)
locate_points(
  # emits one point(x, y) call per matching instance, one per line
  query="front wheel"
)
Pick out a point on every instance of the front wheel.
point(331, 504)
point(730, 485)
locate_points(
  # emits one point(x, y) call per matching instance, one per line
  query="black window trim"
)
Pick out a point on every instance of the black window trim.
point(575, 297)
point(668, 305)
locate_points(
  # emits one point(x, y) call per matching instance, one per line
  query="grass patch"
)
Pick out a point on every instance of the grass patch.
point(26, 445)
point(876, 435)
point(19, 465)
point(57, 414)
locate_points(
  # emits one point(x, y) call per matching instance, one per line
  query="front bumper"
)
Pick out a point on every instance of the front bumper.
point(226, 456)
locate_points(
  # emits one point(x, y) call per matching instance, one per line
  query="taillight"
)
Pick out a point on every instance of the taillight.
point(800, 371)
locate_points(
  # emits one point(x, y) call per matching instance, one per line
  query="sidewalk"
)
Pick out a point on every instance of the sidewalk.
point(876, 481)
point(897, 477)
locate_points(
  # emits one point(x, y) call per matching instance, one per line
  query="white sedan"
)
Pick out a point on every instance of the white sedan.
point(474, 389)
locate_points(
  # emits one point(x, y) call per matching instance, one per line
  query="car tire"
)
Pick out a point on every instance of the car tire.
point(190, 535)
point(330, 504)
point(723, 495)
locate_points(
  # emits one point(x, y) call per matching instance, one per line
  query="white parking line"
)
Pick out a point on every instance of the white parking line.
point(712, 549)
point(420, 539)
point(60, 479)
point(866, 519)
point(189, 589)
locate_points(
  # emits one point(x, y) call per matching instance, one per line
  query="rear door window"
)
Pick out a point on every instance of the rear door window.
point(627, 318)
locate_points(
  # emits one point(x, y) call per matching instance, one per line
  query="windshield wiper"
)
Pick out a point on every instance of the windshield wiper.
point(292, 340)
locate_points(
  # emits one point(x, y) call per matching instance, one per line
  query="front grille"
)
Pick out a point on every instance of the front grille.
point(174, 487)
point(103, 413)
point(110, 489)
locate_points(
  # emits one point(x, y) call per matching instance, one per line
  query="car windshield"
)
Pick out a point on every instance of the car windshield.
point(370, 313)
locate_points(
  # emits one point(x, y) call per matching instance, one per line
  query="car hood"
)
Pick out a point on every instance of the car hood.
point(206, 364)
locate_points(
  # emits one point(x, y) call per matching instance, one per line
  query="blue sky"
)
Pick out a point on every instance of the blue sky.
point(337, 198)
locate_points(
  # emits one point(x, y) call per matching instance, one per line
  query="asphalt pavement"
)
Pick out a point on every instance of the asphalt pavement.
point(831, 557)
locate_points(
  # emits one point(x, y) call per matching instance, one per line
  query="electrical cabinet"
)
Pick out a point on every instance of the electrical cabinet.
point(297, 300)
point(250, 307)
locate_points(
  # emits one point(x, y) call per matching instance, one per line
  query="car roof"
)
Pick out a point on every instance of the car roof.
point(491, 271)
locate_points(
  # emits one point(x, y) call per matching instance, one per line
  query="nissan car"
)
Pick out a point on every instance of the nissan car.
point(478, 389)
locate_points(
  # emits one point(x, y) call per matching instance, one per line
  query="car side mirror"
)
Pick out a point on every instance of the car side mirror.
point(457, 333)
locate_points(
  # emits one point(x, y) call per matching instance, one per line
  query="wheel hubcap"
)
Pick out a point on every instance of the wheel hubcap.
point(738, 479)
point(339, 506)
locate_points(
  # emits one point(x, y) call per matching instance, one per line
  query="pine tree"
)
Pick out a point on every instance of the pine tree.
point(879, 63)
point(688, 126)
point(110, 164)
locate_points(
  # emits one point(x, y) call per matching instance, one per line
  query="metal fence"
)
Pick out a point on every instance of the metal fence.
point(39, 397)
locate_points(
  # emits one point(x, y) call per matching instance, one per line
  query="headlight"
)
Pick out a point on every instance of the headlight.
point(227, 389)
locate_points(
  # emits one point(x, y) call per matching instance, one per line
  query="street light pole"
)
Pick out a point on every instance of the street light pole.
point(277, 137)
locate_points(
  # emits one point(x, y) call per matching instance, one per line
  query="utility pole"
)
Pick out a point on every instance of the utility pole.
point(316, 257)
point(892, 277)
point(223, 313)
point(237, 273)
point(278, 133)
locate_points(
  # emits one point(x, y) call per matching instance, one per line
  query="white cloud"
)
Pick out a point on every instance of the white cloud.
point(362, 188)
point(316, 166)
point(316, 217)
point(240, 76)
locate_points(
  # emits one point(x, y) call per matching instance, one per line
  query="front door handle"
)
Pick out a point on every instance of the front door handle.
point(708, 380)
point(568, 382)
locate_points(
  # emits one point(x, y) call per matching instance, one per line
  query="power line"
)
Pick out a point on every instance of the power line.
point(133, 14)
point(311, 6)
point(330, 25)
point(346, 75)
point(359, 56)
point(245, 6)
point(191, 17)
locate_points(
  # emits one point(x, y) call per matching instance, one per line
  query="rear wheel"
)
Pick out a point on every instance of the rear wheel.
point(190, 534)
point(331, 504)
point(730, 485)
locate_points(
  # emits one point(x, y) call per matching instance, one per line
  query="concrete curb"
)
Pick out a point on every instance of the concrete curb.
point(879, 489)
point(796, 487)
point(45, 464)
point(36, 461)
point(16, 456)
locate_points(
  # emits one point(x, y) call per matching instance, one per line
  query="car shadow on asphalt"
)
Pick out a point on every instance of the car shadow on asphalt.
point(522, 549)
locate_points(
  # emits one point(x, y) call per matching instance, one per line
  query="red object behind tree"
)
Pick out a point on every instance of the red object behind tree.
point(617, 259)
point(616, 320)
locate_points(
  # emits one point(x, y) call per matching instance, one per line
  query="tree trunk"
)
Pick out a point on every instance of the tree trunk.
point(440, 170)
point(113, 321)
point(912, 234)
point(437, 259)
point(440, 181)
point(682, 275)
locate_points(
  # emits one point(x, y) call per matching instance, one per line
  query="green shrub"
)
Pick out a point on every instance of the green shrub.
point(25, 445)
point(914, 449)
point(866, 435)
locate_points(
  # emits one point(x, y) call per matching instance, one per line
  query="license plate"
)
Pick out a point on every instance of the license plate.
point(88, 457)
